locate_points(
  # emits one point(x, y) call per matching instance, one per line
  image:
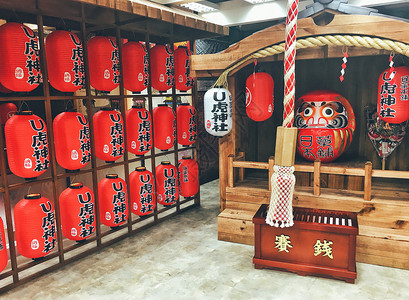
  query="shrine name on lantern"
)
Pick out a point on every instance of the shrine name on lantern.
point(119, 202)
point(145, 193)
point(170, 186)
point(86, 215)
point(144, 132)
point(48, 227)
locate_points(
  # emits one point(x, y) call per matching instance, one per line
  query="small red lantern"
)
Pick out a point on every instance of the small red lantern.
point(103, 59)
point(65, 62)
point(136, 67)
point(183, 81)
point(187, 124)
point(77, 209)
point(138, 130)
point(188, 177)
point(113, 201)
point(108, 134)
point(27, 145)
point(20, 58)
point(166, 183)
point(7, 110)
point(162, 68)
point(142, 184)
point(393, 95)
point(3, 248)
point(71, 140)
point(34, 222)
point(259, 96)
point(164, 127)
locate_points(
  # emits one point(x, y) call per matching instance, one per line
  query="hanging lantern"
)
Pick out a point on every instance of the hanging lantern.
point(7, 110)
point(143, 200)
point(326, 125)
point(3, 248)
point(183, 81)
point(187, 124)
point(20, 58)
point(113, 201)
point(3, 90)
point(393, 95)
point(71, 140)
point(166, 183)
point(218, 111)
point(164, 127)
point(136, 67)
point(77, 209)
point(162, 68)
point(27, 145)
point(138, 130)
point(108, 134)
point(188, 177)
point(259, 96)
point(34, 222)
point(65, 62)
point(103, 60)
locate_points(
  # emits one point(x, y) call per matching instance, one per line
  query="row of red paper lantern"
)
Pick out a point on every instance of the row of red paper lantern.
point(20, 63)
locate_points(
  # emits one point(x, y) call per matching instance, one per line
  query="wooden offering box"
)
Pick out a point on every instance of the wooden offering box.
point(321, 242)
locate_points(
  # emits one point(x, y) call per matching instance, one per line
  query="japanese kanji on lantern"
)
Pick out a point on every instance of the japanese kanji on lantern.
point(326, 125)
point(108, 134)
point(218, 111)
point(138, 130)
point(27, 145)
point(71, 140)
point(34, 222)
point(162, 67)
point(142, 189)
point(77, 210)
point(20, 58)
point(186, 116)
point(103, 59)
point(3, 248)
point(113, 201)
point(164, 127)
point(183, 81)
point(259, 96)
point(393, 95)
point(7, 110)
point(136, 66)
point(166, 183)
point(188, 176)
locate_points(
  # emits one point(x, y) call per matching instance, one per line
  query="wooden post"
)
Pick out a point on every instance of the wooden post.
point(368, 181)
point(270, 171)
point(317, 177)
point(241, 170)
point(230, 173)
point(285, 146)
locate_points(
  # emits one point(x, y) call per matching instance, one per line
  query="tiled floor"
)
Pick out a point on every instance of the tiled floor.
point(182, 259)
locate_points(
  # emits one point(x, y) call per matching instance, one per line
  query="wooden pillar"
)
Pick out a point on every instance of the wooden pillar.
point(270, 170)
point(230, 171)
point(285, 146)
point(317, 177)
point(368, 181)
point(241, 170)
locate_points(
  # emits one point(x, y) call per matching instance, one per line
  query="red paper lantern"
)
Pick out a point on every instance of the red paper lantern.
point(187, 124)
point(3, 248)
point(142, 190)
point(183, 81)
point(65, 62)
point(162, 68)
point(164, 127)
point(27, 145)
point(71, 140)
point(393, 95)
point(108, 134)
point(136, 67)
point(103, 60)
point(3, 90)
point(113, 201)
point(188, 177)
point(34, 223)
point(20, 58)
point(77, 209)
point(138, 130)
point(7, 110)
point(259, 96)
point(166, 183)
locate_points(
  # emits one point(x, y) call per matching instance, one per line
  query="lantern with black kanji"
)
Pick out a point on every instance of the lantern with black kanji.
point(34, 223)
point(113, 201)
point(77, 210)
point(27, 145)
point(142, 188)
point(187, 124)
point(218, 111)
point(3, 248)
point(65, 62)
point(71, 140)
point(7, 110)
point(183, 81)
point(20, 58)
point(108, 134)
point(162, 68)
point(103, 60)
point(188, 177)
point(136, 66)
point(167, 189)
point(138, 130)
point(259, 96)
point(164, 127)
point(393, 95)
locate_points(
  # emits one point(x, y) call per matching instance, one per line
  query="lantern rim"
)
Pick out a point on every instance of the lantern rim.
point(163, 104)
point(184, 104)
point(186, 157)
point(140, 169)
point(76, 185)
point(165, 163)
point(25, 113)
point(107, 108)
point(111, 176)
point(32, 196)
